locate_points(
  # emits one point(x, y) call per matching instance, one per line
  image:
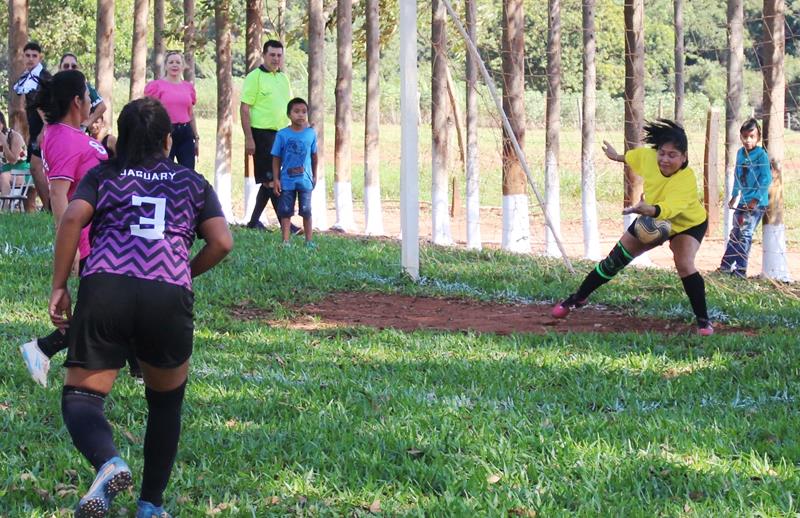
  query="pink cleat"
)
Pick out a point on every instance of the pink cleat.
point(704, 328)
point(562, 309)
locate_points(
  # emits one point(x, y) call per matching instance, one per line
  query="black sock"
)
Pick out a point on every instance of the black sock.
point(695, 288)
point(83, 414)
point(161, 441)
point(592, 281)
point(274, 199)
point(261, 202)
point(52, 343)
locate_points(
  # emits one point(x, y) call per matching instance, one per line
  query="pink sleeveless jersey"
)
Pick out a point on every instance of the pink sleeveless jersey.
point(68, 154)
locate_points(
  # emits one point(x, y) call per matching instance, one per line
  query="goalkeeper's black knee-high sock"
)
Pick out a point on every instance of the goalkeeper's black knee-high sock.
point(605, 270)
point(261, 202)
point(161, 441)
point(695, 288)
point(82, 410)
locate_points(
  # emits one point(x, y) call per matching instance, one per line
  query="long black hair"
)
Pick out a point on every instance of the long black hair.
point(665, 131)
point(56, 94)
point(142, 128)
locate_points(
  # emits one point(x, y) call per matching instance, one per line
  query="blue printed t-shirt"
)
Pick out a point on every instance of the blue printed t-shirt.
point(753, 176)
point(295, 148)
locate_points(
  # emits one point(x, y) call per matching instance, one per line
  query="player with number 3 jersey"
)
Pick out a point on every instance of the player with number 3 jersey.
point(135, 295)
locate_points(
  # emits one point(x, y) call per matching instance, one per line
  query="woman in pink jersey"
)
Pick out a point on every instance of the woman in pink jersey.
point(67, 154)
point(178, 97)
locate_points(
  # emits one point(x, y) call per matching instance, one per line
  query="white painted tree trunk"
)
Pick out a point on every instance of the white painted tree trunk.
point(591, 225)
point(222, 182)
point(373, 211)
point(250, 193)
point(319, 200)
point(773, 265)
point(552, 190)
point(343, 196)
point(516, 225)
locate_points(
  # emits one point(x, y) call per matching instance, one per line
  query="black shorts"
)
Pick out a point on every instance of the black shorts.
point(262, 159)
point(117, 313)
point(698, 231)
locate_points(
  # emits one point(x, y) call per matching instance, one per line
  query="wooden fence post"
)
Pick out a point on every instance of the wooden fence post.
point(711, 172)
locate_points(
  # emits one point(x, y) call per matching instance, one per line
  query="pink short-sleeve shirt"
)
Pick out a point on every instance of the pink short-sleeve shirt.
point(68, 154)
point(177, 98)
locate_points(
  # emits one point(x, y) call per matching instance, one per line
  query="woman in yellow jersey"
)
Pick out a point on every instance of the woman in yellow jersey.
point(670, 193)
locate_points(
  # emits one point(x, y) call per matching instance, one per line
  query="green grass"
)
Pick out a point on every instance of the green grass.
point(284, 422)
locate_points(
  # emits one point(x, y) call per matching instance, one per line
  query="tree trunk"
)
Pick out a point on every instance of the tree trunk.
point(188, 39)
point(516, 227)
point(634, 94)
point(139, 49)
point(316, 102)
point(255, 27)
point(17, 37)
point(679, 61)
point(342, 160)
point(473, 178)
point(774, 256)
point(373, 214)
point(553, 127)
point(733, 104)
point(440, 217)
point(281, 25)
point(158, 38)
point(591, 231)
point(222, 163)
point(104, 49)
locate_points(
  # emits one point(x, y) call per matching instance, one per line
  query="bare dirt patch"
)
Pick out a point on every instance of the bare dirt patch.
point(407, 313)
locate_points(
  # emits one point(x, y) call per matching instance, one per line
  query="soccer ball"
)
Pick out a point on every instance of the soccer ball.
point(650, 230)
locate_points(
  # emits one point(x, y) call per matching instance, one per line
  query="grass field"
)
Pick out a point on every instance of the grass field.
point(357, 421)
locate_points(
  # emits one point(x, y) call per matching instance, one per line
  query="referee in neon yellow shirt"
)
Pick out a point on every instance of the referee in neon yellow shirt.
point(670, 191)
point(265, 94)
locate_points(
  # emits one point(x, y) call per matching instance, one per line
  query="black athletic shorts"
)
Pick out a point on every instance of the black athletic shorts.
point(262, 159)
point(698, 231)
point(115, 313)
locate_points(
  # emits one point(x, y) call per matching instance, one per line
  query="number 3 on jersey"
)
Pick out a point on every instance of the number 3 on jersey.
point(156, 223)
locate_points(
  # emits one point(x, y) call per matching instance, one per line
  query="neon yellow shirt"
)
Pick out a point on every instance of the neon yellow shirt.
point(267, 93)
point(676, 195)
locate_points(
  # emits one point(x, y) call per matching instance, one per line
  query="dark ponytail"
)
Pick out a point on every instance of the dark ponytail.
point(56, 94)
point(142, 128)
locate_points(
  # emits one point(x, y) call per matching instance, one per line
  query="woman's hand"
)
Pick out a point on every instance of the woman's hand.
point(611, 153)
point(60, 308)
point(643, 208)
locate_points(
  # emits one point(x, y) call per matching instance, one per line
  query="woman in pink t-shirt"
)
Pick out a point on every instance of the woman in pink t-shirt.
point(178, 97)
point(67, 155)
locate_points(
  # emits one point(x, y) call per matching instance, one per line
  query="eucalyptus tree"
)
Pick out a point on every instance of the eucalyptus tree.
point(316, 104)
point(373, 214)
point(342, 159)
point(139, 49)
point(591, 232)
point(17, 37)
point(773, 103)
point(553, 127)
point(634, 94)
point(473, 179)
point(516, 226)
point(188, 39)
point(222, 162)
point(679, 61)
point(733, 99)
point(104, 50)
point(440, 217)
point(158, 38)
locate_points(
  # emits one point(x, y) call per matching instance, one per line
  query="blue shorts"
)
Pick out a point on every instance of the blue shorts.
point(286, 203)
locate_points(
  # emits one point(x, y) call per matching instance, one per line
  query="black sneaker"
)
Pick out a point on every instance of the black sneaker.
point(256, 225)
point(295, 230)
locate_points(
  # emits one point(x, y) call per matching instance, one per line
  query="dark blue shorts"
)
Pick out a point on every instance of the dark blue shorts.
point(286, 203)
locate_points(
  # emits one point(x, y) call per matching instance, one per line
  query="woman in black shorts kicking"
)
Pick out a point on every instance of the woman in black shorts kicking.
point(135, 293)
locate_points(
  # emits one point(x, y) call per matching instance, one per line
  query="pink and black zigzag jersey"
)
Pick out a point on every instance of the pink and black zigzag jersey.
point(146, 219)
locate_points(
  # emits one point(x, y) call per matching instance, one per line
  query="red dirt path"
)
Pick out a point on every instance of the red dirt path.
point(406, 313)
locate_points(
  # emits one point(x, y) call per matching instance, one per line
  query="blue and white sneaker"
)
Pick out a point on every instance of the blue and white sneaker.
point(145, 509)
point(113, 477)
point(36, 361)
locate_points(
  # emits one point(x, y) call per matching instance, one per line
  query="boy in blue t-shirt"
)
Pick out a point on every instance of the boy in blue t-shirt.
point(294, 154)
point(751, 181)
